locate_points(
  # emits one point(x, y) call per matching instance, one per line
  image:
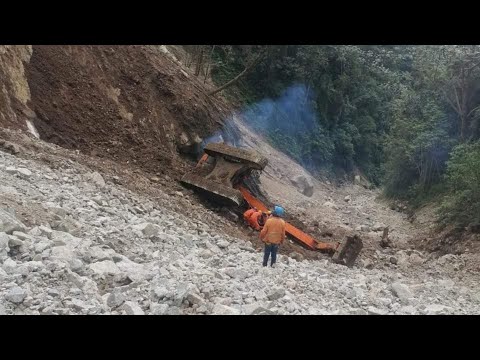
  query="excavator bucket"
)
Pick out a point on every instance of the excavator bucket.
point(344, 253)
point(221, 169)
point(348, 250)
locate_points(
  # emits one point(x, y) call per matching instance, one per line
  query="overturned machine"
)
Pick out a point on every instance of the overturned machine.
point(223, 172)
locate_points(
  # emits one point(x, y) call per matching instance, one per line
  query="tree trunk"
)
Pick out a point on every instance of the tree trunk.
point(238, 77)
point(199, 63)
point(209, 64)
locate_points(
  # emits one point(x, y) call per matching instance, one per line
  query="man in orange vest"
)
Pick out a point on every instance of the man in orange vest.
point(273, 234)
point(248, 213)
point(257, 220)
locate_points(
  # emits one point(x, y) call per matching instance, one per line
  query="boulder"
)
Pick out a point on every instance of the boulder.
point(9, 223)
point(303, 184)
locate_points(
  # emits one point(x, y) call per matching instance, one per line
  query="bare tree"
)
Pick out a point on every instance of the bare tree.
point(249, 67)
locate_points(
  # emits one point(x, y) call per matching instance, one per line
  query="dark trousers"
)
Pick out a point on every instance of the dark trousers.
point(270, 249)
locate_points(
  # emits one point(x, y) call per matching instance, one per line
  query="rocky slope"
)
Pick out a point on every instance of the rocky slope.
point(101, 226)
point(76, 242)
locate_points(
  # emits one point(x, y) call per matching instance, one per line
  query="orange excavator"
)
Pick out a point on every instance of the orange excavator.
point(222, 173)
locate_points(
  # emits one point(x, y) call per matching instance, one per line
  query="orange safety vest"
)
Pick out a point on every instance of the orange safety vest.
point(253, 220)
point(248, 213)
point(274, 231)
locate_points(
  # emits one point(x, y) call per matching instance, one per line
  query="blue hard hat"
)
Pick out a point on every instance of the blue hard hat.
point(278, 211)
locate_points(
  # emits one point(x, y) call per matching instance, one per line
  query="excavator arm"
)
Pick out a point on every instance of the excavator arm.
point(220, 172)
point(291, 230)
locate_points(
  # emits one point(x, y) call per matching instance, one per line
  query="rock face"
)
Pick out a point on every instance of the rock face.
point(14, 112)
point(303, 184)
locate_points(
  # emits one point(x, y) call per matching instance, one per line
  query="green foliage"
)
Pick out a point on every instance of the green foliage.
point(395, 112)
point(462, 204)
point(350, 87)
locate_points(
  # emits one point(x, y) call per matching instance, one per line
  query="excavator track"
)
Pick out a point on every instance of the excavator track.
point(249, 157)
point(220, 192)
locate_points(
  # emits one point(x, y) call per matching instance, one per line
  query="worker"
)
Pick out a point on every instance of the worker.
point(273, 235)
point(262, 219)
point(248, 213)
point(257, 220)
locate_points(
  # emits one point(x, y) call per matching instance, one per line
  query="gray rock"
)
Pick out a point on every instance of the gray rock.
point(4, 240)
point(359, 312)
point(365, 228)
point(9, 224)
point(416, 259)
point(16, 295)
point(61, 212)
point(115, 299)
point(220, 309)
point(2, 310)
point(34, 266)
point(148, 229)
point(236, 273)
point(402, 291)
point(15, 242)
point(76, 265)
point(132, 308)
point(409, 310)
point(393, 260)
point(260, 295)
point(297, 256)
point(22, 236)
point(41, 246)
point(135, 271)
point(79, 305)
point(8, 190)
point(68, 225)
point(22, 172)
point(181, 292)
point(160, 292)
point(62, 253)
point(375, 311)
point(61, 238)
point(256, 309)
point(436, 309)
point(35, 231)
point(347, 198)
point(202, 309)
point(99, 254)
point(45, 231)
point(276, 294)
point(53, 292)
point(303, 184)
point(9, 266)
point(223, 244)
point(25, 173)
point(106, 267)
point(22, 270)
point(158, 309)
point(97, 179)
point(194, 299)
point(173, 310)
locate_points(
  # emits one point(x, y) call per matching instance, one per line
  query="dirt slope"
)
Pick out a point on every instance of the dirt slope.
point(127, 103)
